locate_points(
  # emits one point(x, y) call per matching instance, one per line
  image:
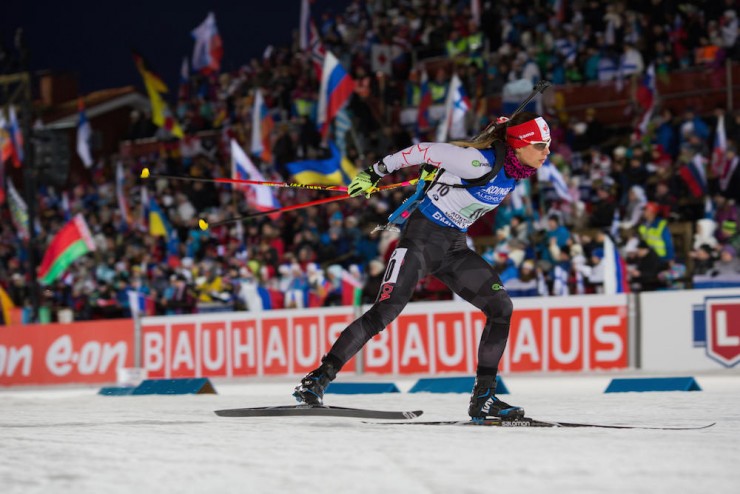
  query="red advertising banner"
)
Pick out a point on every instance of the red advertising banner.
point(563, 334)
point(84, 352)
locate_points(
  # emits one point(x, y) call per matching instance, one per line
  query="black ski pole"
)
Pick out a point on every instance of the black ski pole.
point(540, 87)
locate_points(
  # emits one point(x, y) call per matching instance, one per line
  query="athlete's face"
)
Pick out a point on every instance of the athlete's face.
point(533, 154)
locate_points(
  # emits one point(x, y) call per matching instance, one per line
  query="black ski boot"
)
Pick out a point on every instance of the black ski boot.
point(484, 403)
point(312, 387)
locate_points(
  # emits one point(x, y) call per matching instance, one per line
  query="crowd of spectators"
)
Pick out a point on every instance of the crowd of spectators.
point(541, 243)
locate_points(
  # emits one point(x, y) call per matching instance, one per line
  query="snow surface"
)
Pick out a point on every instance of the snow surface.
point(73, 440)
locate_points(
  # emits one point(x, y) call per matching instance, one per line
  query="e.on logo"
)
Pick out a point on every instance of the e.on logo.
point(567, 339)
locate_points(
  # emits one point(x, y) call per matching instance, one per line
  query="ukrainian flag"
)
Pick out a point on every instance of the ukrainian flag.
point(159, 226)
point(335, 170)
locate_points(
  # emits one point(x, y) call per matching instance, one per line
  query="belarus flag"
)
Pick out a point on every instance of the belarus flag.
point(72, 241)
point(336, 88)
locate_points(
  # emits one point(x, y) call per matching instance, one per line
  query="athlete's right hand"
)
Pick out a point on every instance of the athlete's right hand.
point(363, 183)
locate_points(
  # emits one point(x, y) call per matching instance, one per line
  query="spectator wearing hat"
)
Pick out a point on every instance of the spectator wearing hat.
point(654, 231)
point(644, 273)
point(727, 267)
point(704, 258)
point(636, 201)
point(602, 213)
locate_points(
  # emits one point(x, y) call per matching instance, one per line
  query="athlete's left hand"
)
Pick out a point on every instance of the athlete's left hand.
point(363, 183)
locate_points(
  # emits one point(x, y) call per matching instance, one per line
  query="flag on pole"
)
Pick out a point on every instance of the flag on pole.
point(18, 211)
point(615, 269)
point(84, 134)
point(304, 27)
point(261, 197)
point(550, 173)
point(262, 125)
point(647, 95)
point(336, 88)
point(140, 304)
point(71, 242)
point(208, 49)
point(475, 11)
point(121, 195)
point(7, 150)
point(695, 176)
point(155, 87)
point(334, 170)
point(16, 137)
point(318, 52)
point(159, 225)
point(720, 148)
point(351, 289)
point(457, 105)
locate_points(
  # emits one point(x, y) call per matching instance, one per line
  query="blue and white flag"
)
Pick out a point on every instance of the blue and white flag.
point(84, 134)
point(550, 173)
point(456, 107)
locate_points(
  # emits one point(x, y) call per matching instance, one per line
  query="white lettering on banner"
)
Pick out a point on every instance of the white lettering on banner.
point(303, 358)
point(183, 352)
point(153, 347)
point(526, 342)
point(247, 348)
point(608, 337)
point(723, 337)
point(59, 355)
point(11, 357)
point(275, 348)
point(557, 343)
point(444, 356)
point(378, 352)
point(413, 347)
point(208, 362)
point(92, 357)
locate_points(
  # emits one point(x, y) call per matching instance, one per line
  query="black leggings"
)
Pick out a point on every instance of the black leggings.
point(427, 248)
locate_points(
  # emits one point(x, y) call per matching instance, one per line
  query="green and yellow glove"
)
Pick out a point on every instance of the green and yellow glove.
point(363, 183)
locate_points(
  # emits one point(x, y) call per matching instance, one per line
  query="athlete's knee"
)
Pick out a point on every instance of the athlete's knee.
point(499, 308)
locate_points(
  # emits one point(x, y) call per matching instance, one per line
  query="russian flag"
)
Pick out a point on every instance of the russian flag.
point(16, 137)
point(140, 304)
point(336, 88)
point(242, 168)
point(615, 269)
point(208, 50)
point(695, 176)
point(262, 125)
